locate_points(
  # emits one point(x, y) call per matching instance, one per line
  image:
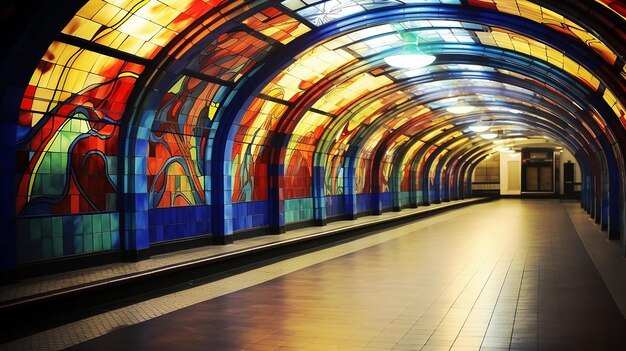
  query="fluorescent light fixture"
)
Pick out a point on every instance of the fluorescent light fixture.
point(478, 128)
point(410, 56)
point(489, 136)
point(412, 60)
point(461, 107)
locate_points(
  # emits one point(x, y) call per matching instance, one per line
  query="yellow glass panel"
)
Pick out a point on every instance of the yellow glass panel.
point(513, 41)
point(431, 135)
point(551, 19)
point(66, 71)
point(277, 25)
point(410, 154)
point(399, 141)
point(307, 126)
point(348, 91)
point(616, 105)
point(306, 70)
point(142, 21)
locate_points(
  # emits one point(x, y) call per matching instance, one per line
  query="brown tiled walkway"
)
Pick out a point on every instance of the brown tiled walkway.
point(511, 274)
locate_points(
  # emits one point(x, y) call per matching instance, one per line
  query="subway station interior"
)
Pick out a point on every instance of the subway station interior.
point(313, 175)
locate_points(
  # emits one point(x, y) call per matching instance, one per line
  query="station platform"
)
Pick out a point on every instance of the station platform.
point(508, 274)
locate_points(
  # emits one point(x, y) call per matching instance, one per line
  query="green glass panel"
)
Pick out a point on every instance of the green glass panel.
point(35, 229)
point(46, 227)
point(106, 223)
point(57, 246)
point(97, 223)
point(87, 225)
point(78, 244)
point(57, 227)
point(106, 241)
point(97, 242)
point(46, 248)
point(88, 242)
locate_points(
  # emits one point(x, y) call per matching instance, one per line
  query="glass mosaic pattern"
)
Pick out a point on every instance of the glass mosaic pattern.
point(547, 17)
point(332, 114)
point(177, 145)
point(68, 132)
point(276, 25)
point(249, 158)
point(322, 12)
point(138, 27)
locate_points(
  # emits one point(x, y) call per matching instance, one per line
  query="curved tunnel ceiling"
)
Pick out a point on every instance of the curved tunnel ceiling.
point(303, 84)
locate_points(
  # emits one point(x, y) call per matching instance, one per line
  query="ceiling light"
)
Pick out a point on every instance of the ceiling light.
point(461, 107)
point(410, 56)
point(479, 128)
point(489, 136)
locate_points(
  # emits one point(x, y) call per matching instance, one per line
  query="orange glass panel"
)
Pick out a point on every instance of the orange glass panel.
point(277, 25)
point(140, 27)
point(540, 14)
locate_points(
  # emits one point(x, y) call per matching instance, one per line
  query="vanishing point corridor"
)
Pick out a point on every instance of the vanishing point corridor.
point(510, 274)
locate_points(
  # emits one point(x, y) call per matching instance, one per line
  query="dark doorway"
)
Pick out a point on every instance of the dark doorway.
point(568, 178)
point(538, 170)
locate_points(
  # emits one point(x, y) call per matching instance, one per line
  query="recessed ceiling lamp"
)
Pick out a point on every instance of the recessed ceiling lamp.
point(479, 127)
point(489, 136)
point(461, 107)
point(410, 56)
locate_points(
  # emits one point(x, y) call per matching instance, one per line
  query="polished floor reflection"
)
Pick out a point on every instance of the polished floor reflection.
point(511, 274)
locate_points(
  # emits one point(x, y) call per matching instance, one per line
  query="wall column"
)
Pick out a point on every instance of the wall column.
point(134, 223)
point(319, 197)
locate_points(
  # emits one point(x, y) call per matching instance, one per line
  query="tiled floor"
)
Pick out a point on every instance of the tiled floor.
point(511, 274)
point(51, 283)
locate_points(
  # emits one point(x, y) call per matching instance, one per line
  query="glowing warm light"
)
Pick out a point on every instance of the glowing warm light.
point(479, 128)
point(489, 136)
point(460, 107)
point(411, 56)
point(411, 61)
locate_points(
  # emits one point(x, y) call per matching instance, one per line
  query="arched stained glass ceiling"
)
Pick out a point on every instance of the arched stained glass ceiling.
point(312, 66)
point(108, 46)
point(141, 28)
point(323, 12)
point(493, 37)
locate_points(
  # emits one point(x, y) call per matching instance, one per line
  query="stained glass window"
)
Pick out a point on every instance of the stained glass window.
point(322, 12)
point(277, 25)
point(141, 28)
point(512, 41)
point(539, 14)
point(249, 157)
point(310, 67)
point(231, 56)
point(177, 146)
point(616, 105)
point(68, 131)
